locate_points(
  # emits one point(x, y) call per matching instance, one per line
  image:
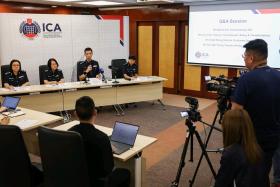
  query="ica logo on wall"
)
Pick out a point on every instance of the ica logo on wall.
point(31, 29)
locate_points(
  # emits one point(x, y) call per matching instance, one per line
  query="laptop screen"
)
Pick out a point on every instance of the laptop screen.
point(124, 133)
point(11, 102)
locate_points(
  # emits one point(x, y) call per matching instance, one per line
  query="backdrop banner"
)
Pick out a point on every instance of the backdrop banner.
point(35, 38)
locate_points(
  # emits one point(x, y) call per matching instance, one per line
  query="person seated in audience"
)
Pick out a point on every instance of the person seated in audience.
point(53, 75)
point(130, 69)
point(88, 68)
point(15, 77)
point(98, 148)
point(242, 156)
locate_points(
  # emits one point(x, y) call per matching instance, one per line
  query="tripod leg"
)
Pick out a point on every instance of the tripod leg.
point(175, 183)
point(206, 143)
point(204, 152)
point(191, 149)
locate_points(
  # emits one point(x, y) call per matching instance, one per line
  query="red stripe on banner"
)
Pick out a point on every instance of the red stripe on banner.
point(269, 11)
point(113, 17)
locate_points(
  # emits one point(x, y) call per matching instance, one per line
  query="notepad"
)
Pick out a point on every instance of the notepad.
point(26, 123)
point(13, 114)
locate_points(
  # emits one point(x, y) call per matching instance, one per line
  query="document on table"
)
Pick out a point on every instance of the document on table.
point(26, 123)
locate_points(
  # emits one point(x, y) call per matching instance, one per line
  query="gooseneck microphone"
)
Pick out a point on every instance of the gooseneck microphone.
point(101, 70)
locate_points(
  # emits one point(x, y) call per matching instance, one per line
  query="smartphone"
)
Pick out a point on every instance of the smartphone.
point(184, 114)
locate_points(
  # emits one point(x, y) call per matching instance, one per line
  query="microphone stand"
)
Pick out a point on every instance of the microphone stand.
point(115, 76)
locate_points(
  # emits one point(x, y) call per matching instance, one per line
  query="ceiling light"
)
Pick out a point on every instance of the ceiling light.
point(100, 3)
point(63, 1)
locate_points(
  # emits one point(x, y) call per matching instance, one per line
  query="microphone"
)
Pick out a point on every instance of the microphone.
point(101, 70)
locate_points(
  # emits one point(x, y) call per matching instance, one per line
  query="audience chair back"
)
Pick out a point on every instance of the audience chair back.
point(63, 158)
point(15, 165)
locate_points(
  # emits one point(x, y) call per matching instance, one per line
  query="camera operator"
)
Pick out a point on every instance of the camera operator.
point(241, 155)
point(258, 92)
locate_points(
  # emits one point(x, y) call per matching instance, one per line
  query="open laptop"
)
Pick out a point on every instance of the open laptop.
point(11, 103)
point(123, 137)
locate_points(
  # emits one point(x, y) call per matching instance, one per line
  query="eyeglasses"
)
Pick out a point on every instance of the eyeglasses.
point(244, 55)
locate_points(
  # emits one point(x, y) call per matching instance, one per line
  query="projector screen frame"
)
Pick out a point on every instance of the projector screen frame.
point(256, 4)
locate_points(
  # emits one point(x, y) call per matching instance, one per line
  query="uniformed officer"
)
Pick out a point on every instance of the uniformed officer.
point(88, 68)
point(15, 77)
point(53, 75)
point(130, 69)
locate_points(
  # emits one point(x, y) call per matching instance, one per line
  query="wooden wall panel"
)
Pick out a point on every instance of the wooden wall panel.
point(192, 78)
point(167, 54)
point(216, 71)
point(145, 50)
point(192, 74)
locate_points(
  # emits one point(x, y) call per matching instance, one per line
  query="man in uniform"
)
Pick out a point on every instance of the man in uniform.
point(88, 68)
point(130, 69)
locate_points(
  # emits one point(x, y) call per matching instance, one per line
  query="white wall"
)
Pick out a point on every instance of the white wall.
point(78, 32)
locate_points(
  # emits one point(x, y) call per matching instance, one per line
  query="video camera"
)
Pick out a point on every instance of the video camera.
point(222, 85)
point(191, 112)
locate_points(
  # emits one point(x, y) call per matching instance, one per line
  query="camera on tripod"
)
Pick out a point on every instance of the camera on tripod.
point(191, 113)
point(222, 85)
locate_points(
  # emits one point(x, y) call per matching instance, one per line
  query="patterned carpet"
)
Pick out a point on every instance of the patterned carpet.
point(170, 130)
point(162, 158)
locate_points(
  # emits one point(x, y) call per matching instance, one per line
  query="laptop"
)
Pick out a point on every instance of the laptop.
point(11, 103)
point(123, 137)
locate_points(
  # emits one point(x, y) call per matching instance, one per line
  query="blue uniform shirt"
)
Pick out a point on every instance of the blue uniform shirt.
point(259, 92)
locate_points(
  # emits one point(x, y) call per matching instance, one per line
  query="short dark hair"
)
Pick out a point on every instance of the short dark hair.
point(258, 47)
point(11, 64)
point(50, 62)
point(131, 57)
point(87, 49)
point(85, 108)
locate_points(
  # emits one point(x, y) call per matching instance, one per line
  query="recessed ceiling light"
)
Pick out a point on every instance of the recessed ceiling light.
point(101, 3)
point(63, 1)
point(54, 6)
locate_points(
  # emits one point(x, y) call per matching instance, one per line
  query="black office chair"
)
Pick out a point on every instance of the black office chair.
point(117, 68)
point(4, 69)
point(42, 69)
point(15, 166)
point(63, 158)
point(78, 63)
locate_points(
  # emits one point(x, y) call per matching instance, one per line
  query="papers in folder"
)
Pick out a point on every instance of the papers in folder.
point(26, 123)
point(13, 114)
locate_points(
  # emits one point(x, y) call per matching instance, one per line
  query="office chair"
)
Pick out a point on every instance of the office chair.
point(15, 165)
point(4, 69)
point(63, 158)
point(42, 69)
point(78, 64)
point(117, 68)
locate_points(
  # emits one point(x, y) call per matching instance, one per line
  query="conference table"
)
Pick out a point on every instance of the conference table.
point(61, 97)
point(28, 122)
point(130, 159)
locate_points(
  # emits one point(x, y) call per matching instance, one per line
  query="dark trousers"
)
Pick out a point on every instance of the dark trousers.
point(266, 166)
point(119, 178)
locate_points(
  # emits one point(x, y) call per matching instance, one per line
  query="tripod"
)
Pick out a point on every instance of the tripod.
point(224, 104)
point(192, 131)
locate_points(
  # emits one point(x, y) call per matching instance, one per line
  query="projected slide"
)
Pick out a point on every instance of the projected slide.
point(217, 37)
